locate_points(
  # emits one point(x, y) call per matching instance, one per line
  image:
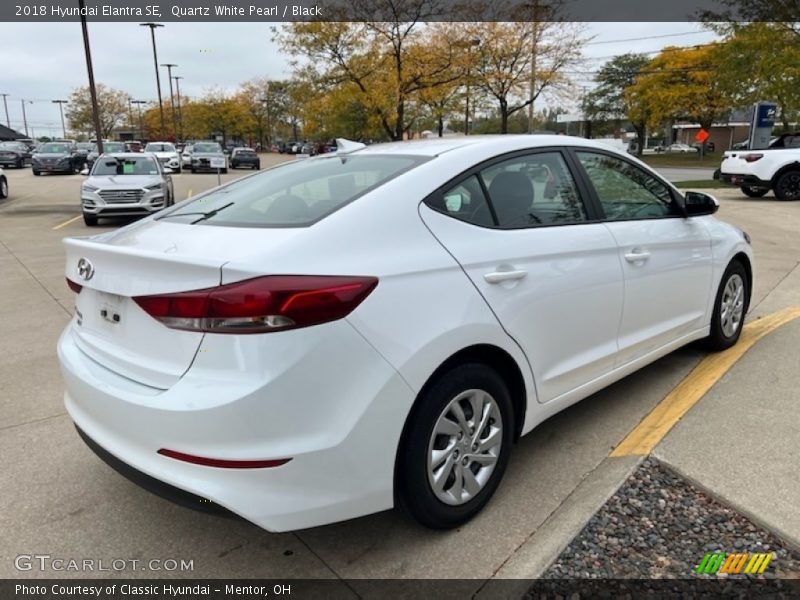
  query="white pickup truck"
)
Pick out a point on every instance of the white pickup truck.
point(757, 172)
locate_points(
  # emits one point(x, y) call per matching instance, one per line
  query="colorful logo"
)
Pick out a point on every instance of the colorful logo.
point(742, 562)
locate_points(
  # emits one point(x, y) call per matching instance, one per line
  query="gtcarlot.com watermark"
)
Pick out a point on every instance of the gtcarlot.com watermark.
point(46, 562)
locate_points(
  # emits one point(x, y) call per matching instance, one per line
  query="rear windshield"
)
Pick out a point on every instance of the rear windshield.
point(125, 166)
point(296, 194)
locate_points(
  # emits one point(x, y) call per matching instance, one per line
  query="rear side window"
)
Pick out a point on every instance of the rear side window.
point(296, 194)
point(465, 202)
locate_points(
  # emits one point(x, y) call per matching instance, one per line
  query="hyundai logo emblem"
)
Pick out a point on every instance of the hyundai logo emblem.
point(85, 269)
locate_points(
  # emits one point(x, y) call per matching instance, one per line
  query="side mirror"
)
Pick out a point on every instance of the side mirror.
point(699, 204)
point(84, 171)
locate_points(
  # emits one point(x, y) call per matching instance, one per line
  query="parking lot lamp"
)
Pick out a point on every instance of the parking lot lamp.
point(177, 79)
point(172, 99)
point(5, 104)
point(92, 91)
point(25, 116)
point(152, 27)
point(61, 104)
point(139, 103)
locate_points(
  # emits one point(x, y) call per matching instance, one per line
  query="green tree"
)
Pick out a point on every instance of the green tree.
point(112, 108)
point(609, 100)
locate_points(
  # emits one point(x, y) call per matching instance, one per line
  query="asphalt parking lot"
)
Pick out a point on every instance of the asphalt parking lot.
point(62, 501)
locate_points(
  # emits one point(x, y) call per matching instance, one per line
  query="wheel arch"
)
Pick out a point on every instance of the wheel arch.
point(793, 166)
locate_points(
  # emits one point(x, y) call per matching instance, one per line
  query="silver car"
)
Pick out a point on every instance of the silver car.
point(124, 185)
point(206, 156)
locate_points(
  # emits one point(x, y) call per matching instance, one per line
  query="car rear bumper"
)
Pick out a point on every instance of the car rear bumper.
point(744, 180)
point(321, 396)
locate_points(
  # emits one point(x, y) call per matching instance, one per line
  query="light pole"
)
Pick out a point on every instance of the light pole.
point(61, 104)
point(5, 104)
point(265, 102)
point(469, 44)
point(152, 27)
point(95, 113)
point(172, 98)
point(177, 79)
point(24, 116)
point(139, 104)
point(537, 8)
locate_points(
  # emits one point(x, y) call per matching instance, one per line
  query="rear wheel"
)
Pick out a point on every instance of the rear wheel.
point(754, 192)
point(788, 186)
point(90, 220)
point(455, 447)
point(224, 171)
point(730, 307)
point(3, 187)
point(37, 173)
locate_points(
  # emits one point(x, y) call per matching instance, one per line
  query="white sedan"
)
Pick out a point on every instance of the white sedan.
point(375, 328)
point(682, 149)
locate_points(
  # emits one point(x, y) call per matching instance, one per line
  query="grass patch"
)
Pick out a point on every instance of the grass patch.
point(701, 184)
point(709, 161)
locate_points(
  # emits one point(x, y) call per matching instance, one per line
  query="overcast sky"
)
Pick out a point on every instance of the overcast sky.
point(44, 61)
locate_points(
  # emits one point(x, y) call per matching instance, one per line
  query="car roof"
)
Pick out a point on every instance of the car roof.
point(496, 143)
point(129, 154)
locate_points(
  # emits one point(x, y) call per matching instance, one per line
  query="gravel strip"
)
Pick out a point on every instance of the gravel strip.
point(658, 526)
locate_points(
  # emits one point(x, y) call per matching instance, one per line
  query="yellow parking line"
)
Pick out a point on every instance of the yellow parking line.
point(647, 434)
point(189, 195)
point(65, 223)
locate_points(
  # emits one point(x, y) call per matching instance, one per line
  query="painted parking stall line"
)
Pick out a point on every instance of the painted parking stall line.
point(652, 429)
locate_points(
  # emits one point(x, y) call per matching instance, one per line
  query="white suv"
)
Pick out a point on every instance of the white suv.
point(167, 154)
point(757, 172)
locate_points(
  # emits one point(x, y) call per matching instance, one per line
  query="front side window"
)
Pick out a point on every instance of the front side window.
point(531, 190)
point(626, 191)
point(294, 194)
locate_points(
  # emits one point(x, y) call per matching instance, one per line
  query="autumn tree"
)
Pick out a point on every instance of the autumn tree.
point(682, 84)
point(112, 108)
point(515, 55)
point(612, 101)
point(380, 58)
point(770, 75)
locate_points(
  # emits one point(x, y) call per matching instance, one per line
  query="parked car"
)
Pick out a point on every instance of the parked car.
point(682, 149)
point(126, 184)
point(3, 185)
point(56, 157)
point(166, 153)
point(244, 157)
point(186, 156)
point(84, 148)
point(205, 154)
point(756, 172)
point(31, 144)
point(275, 355)
point(134, 146)
point(14, 154)
point(108, 148)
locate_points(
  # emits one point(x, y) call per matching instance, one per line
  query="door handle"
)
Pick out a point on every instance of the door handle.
point(637, 256)
point(500, 276)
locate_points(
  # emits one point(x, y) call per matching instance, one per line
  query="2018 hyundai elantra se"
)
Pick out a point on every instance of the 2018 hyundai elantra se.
point(375, 328)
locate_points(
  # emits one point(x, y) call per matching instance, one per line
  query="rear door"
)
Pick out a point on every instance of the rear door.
point(542, 261)
point(666, 258)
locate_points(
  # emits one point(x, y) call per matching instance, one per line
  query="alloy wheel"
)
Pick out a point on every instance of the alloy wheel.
point(732, 305)
point(464, 447)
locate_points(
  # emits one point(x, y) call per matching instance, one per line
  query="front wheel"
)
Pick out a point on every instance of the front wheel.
point(455, 447)
point(3, 188)
point(37, 173)
point(730, 308)
point(90, 220)
point(788, 186)
point(754, 192)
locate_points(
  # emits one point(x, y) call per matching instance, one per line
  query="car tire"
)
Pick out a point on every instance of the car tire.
point(730, 308)
point(224, 171)
point(20, 163)
point(754, 192)
point(37, 173)
point(787, 187)
point(432, 427)
point(90, 220)
point(193, 170)
point(257, 167)
point(3, 188)
point(178, 171)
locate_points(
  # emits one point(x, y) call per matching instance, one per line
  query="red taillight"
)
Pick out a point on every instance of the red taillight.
point(271, 303)
point(752, 157)
point(222, 463)
point(75, 287)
